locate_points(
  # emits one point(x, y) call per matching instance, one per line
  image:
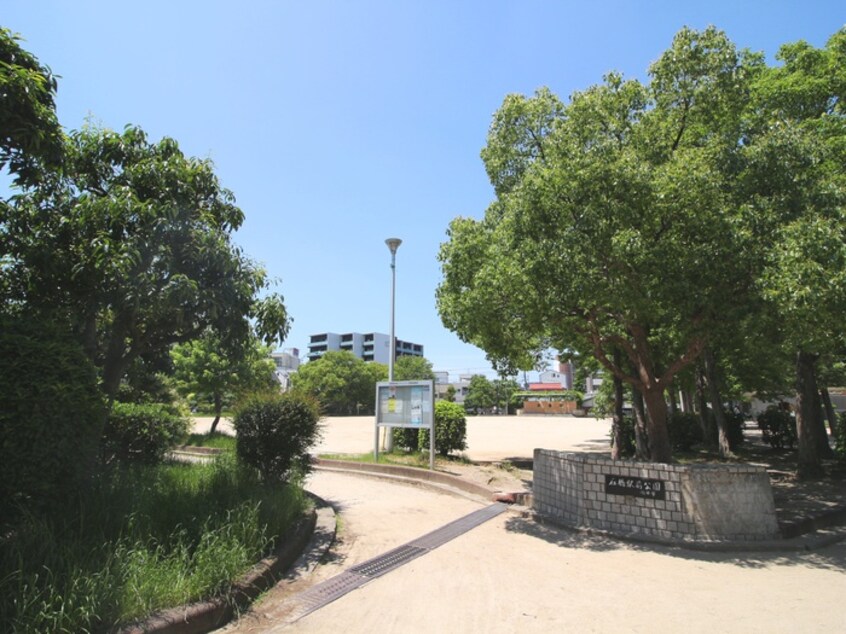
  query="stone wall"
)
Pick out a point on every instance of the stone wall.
point(700, 503)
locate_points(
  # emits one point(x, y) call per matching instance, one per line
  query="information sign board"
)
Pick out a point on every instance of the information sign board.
point(406, 404)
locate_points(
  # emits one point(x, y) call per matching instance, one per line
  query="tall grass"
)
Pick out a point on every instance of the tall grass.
point(140, 540)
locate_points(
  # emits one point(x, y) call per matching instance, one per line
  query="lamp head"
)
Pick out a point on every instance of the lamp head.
point(393, 244)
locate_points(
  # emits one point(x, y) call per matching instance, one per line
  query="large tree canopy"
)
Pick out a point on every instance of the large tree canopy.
point(614, 226)
point(132, 245)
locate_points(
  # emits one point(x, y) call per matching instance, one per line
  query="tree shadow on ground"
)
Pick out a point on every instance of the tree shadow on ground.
point(831, 557)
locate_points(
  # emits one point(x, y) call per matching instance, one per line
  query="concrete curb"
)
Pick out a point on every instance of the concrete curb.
point(205, 616)
point(817, 532)
point(414, 475)
point(807, 542)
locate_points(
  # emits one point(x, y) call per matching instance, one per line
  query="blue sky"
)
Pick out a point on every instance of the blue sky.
point(339, 124)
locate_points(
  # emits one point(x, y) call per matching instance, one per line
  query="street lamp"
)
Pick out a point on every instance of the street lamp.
point(393, 245)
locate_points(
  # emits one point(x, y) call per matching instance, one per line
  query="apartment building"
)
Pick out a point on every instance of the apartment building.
point(371, 346)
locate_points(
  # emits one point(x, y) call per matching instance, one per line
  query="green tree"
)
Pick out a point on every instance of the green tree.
point(29, 129)
point(210, 372)
point(796, 174)
point(132, 246)
point(609, 211)
point(504, 390)
point(341, 382)
point(411, 368)
point(480, 394)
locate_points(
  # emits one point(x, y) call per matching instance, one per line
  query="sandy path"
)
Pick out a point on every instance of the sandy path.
point(514, 575)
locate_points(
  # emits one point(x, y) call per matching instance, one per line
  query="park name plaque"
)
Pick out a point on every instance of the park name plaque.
point(637, 487)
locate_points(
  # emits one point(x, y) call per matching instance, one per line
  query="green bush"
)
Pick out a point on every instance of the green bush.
point(275, 432)
point(51, 416)
point(406, 438)
point(685, 430)
point(734, 428)
point(778, 427)
point(137, 432)
point(450, 429)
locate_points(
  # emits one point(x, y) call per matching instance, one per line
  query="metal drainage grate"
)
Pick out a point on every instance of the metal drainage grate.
point(395, 558)
point(458, 527)
point(324, 593)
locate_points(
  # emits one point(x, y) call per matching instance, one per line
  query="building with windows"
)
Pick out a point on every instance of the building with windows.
point(286, 363)
point(371, 346)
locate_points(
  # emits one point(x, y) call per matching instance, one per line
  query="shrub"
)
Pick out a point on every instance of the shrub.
point(275, 432)
point(51, 417)
point(406, 438)
point(685, 430)
point(142, 432)
point(778, 427)
point(734, 428)
point(450, 429)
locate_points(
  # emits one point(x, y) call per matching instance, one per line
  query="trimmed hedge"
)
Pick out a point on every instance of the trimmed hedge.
point(450, 429)
point(275, 433)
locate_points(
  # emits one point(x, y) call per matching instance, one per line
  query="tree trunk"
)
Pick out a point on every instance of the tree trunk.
point(659, 437)
point(810, 461)
point(641, 436)
point(820, 433)
point(829, 411)
point(673, 399)
point(617, 420)
point(687, 400)
point(218, 408)
point(709, 431)
point(716, 403)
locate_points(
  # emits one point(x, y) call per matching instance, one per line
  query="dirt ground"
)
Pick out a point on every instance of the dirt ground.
point(514, 574)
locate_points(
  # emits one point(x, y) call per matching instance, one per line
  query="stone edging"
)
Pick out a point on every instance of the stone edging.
point(204, 616)
point(423, 476)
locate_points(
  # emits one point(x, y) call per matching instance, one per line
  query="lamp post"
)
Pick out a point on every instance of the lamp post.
point(393, 245)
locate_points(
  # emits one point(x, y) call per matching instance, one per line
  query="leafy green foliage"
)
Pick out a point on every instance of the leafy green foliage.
point(341, 382)
point(406, 438)
point(632, 185)
point(51, 418)
point(413, 368)
point(450, 429)
point(685, 431)
point(142, 432)
point(275, 433)
point(206, 371)
point(132, 244)
point(778, 427)
point(481, 394)
point(29, 128)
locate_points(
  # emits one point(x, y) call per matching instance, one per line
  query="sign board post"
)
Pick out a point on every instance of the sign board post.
point(406, 404)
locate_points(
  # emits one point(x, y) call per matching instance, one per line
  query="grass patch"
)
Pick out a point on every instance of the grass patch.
point(141, 540)
point(216, 440)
